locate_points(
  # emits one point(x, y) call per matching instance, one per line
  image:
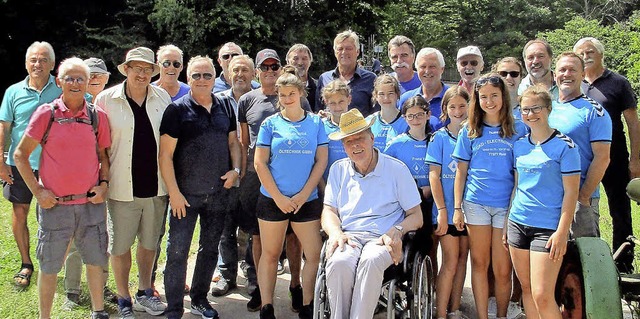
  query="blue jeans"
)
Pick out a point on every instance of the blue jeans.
point(211, 209)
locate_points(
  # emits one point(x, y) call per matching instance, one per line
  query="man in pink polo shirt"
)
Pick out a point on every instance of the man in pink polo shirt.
point(73, 184)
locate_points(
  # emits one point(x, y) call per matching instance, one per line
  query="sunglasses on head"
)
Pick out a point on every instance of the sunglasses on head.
point(472, 62)
point(514, 74)
point(206, 76)
point(229, 56)
point(176, 64)
point(494, 80)
point(266, 67)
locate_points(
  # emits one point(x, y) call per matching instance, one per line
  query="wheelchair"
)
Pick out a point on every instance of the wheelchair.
point(407, 288)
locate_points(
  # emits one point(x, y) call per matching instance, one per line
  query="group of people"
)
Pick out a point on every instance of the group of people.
point(501, 166)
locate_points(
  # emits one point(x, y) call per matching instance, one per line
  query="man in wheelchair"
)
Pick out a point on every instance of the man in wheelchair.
point(370, 202)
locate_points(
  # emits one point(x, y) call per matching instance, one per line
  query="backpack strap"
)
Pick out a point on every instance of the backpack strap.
point(93, 118)
point(51, 119)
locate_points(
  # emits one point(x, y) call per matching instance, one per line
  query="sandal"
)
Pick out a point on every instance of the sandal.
point(22, 280)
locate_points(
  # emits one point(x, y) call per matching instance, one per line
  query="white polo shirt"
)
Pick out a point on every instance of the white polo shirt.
point(114, 102)
point(375, 202)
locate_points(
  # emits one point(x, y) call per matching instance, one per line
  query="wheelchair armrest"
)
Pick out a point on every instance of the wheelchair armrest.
point(407, 249)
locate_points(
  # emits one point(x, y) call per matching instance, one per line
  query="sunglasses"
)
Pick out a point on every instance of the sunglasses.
point(472, 62)
point(176, 64)
point(71, 80)
point(494, 80)
point(266, 67)
point(206, 76)
point(229, 56)
point(534, 109)
point(514, 74)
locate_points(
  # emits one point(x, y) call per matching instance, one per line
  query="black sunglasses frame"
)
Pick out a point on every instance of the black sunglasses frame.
point(167, 63)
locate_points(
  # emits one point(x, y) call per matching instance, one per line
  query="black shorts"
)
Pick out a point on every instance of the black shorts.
point(527, 237)
point(248, 193)
point(453, 231)
point(269, 211)
point(18, 193)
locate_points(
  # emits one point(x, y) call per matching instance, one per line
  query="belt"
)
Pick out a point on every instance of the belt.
point(68, 198)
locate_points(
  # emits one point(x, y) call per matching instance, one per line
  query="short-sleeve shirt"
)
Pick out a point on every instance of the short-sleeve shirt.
point(375, 202)
point(435, 104)
point(527, 82)
point(385, 132)
point(361, 89)
point(293, 147)
point(202, 150)
point(490, 157)
point(69, 163)
point(439, 153)
point(18, 103)
point(184, 89)
point(412, 153)
point(585, 122)
point(614, 93)
point(541, 167)
point(412, 84)
point(221, 84)
point(336, 149)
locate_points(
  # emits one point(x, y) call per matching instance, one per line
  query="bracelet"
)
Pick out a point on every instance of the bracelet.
point(104, 181)
point(442, 208)
point(457, 208)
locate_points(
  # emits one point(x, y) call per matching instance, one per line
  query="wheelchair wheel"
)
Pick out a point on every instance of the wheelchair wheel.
point(422, 286)
point(321, 309)
point(570, 287)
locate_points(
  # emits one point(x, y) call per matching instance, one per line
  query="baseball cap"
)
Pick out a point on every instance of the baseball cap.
point(469, 50)
point(96, 66)
point(266, 54)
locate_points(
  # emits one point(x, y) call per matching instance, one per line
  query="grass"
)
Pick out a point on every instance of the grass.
point(24, 304)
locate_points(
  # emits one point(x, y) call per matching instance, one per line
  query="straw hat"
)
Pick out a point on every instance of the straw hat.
point(141, 54)
point(351, 122)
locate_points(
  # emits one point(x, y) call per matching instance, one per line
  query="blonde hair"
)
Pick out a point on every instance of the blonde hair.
point(335, 87)
point(348, 34)
point(288, 79)
point(540, 92)
point(384, 80)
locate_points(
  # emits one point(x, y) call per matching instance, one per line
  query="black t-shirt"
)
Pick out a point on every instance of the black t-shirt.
point(202, 153)
point(144, 161)
point(615, 94)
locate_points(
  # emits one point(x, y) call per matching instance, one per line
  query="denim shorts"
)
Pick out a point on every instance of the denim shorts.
point(527, 237)
point(481, 215)
point(57, 226)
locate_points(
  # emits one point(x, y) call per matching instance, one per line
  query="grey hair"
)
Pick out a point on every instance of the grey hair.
point(72, 63)
point(300, 47)
point(596, 43)
point(348, 34)
point(169, 47)
point(199, 58)
point(426, 51)
point(399, 40)
point(41, 44)
point(243, 57)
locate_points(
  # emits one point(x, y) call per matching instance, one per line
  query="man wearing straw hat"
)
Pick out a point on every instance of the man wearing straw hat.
point(137, 195)
point(370, 202)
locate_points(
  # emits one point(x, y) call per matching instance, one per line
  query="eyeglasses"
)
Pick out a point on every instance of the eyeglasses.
point(229, 56)
point(176, 64)
point(534, 109)
point(491, 79)
point(140, 70)
point(514, 74)
point(472, 62)
point(266, 67)
point(206, 76)
point(71, 80)
point(418, 116)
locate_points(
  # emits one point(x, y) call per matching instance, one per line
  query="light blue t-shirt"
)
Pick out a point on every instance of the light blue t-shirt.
point(490, 157)
point(336, 149)
point(539, 193)
point(385, 132)
point(585, 122)
point(293, 150)
point(18, 103)
point(412, 153)
point(439, 153)
point(373, 203)
point(184, 89)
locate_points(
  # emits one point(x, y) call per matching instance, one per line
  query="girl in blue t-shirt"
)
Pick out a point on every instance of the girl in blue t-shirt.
point(388, 122)
point(442, 169)
point(337, 97)
point(483, 186)
point(290, 157)
point(547, 166)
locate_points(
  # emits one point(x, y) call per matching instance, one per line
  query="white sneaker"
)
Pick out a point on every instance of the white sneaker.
point(493, 307)
point(151, 304)
point(514, 311)
point(456, 315)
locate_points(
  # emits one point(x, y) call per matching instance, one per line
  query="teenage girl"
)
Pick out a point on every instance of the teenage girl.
point(389, 122)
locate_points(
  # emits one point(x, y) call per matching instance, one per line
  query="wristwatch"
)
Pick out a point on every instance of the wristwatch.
point(399, 228)
point(237, 170)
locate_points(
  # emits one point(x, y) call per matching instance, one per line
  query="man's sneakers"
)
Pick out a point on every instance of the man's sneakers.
point(125, 310)
point(204, 310)
point(514, 311)
point(296, 298)
point(256, 301)
point(150, 303)
point(222, 287)
point(72, 301)
point(99, 314)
